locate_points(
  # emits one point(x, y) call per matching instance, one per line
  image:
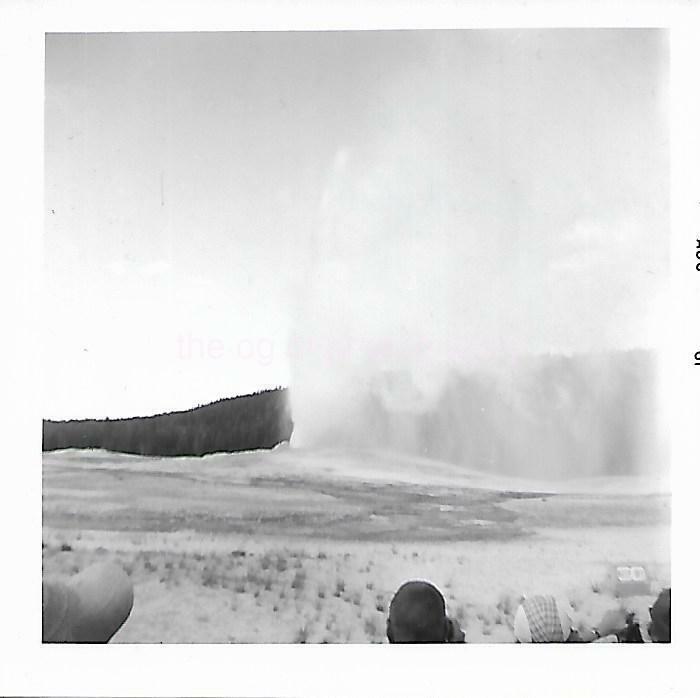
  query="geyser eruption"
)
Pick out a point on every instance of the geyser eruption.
point(419, 330)
point(553, 417)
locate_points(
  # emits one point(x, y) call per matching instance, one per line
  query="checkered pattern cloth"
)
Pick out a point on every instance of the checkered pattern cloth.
point(543, 618)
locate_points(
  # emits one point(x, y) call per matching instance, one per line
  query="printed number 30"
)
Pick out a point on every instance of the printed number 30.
point(631, 574)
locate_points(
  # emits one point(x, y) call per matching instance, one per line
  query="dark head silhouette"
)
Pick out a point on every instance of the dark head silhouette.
point(89, 607)
point(417, 614)
point(660, 613)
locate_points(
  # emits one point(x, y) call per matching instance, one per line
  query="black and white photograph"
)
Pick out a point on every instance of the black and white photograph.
point(353, 337)
point(334, 333)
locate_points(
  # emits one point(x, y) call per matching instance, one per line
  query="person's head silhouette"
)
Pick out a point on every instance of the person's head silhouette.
point(660, 613)
point(89, 607)
point(417, 614)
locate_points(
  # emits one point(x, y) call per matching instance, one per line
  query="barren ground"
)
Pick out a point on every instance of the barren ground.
point(294, 546)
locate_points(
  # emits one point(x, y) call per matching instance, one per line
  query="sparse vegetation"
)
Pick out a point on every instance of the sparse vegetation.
point(370, 627)
point(302, 635)
point(461, 615)
point(506, 605)
point(299, 580)
point(291, 586)
point(209, 577)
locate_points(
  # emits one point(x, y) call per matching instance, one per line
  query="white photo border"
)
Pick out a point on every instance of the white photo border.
point(28, 668)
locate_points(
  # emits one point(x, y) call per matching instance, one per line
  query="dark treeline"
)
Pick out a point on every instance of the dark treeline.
point(260, 420)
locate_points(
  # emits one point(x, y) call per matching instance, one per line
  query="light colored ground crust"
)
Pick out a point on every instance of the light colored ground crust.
point(285, 547)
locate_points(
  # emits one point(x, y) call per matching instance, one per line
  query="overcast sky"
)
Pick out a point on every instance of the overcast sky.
point(211, 198)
